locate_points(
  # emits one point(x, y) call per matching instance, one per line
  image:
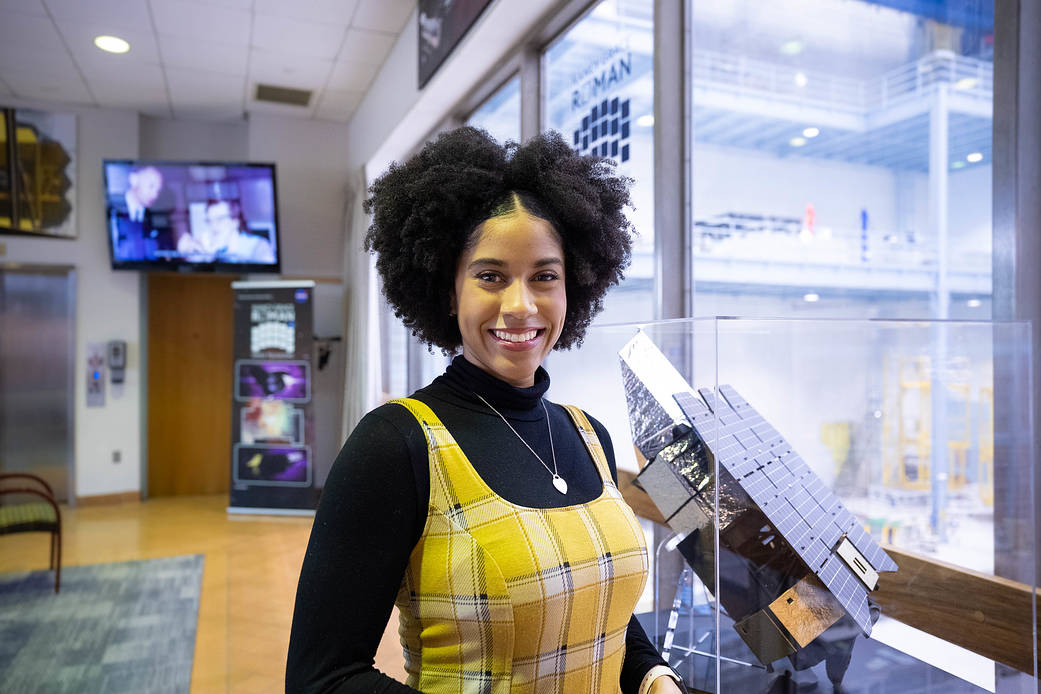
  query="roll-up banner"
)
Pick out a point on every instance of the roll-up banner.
point(271, 421)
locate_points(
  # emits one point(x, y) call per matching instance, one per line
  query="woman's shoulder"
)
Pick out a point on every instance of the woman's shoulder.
point(390, 418)
point(598, 427)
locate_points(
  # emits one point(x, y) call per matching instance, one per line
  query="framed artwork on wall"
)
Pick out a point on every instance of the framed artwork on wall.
point(37, 172)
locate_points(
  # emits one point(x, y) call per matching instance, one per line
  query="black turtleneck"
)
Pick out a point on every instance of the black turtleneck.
point(374, 506)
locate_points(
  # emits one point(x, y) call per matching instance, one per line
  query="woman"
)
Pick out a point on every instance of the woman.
point(489, 516)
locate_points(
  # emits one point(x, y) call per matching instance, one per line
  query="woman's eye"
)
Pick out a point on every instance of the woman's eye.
point(546, 276)
point(487, 276)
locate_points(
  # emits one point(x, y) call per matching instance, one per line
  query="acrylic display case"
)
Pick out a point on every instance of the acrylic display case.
point(861, 492)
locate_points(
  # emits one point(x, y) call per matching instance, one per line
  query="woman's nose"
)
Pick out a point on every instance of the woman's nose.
point(518, 300)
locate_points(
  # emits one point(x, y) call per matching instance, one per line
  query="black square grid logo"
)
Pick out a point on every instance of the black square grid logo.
point(605, 130)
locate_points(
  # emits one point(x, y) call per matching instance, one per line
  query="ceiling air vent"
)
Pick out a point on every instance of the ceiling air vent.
point(283, 95)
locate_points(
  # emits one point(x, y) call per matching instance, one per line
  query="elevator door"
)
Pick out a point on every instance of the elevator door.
point(37, 338)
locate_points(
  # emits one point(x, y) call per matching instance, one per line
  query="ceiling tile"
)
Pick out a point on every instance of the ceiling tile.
point(26, 58)
point(366, 47)
point(23, 6)
point(126, 76)
point(334, 11)
point(285, 70)
point(178, 51)
point(118, 13)
point(295, 36)
point(48, 86)
point(383, 15)
point(232, 4)
point(147, 98)
point(338, 105)
point(354, 77)
point(202, 21)
point(30, 31)
point(79, 36)
point(197, 88)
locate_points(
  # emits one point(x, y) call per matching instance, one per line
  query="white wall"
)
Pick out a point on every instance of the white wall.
point(395, 114)
point(107, 305)
point(180, 140)
point(735, 180)
point(311, 162)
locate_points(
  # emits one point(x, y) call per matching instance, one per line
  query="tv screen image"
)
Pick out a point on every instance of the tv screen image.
point(192, 216)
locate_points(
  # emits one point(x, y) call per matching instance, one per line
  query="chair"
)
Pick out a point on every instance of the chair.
point(32, 516)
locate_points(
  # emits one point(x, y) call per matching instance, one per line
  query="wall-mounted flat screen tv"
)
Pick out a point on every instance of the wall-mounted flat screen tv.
point(192, 216)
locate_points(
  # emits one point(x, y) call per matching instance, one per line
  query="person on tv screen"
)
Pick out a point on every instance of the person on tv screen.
point(225, 237)
point(137, 230)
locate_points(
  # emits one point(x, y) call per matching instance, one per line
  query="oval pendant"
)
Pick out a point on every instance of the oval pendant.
point(560, 484)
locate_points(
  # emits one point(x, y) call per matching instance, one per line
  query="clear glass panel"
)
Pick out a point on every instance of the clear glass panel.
point(599, 93)
point(912, 438)
point(842, 158)
point(500, 114)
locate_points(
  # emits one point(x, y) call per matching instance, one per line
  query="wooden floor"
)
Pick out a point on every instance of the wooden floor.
point(249, 580)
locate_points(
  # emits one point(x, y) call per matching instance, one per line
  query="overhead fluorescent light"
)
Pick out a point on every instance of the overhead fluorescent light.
point(966, 83)
point(793, 47)
point(958, 165)
point(974, 157)
point(112, 44)
point(797, 141)
point(811, 297)
point(811, 132)
point(646, 120)
point(801, 80)
point(973, 303)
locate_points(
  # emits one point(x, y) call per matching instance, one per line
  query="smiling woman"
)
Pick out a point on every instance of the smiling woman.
point(515, 565)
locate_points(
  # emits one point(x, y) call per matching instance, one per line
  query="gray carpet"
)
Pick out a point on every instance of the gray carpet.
point(123, 627)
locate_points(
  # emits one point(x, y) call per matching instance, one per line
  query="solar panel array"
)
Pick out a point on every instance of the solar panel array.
point(794, 499)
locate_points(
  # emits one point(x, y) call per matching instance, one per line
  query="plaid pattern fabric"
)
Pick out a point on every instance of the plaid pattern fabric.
point(502, 599)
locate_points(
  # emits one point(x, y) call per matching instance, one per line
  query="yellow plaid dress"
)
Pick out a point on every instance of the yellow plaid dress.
point(503, 599)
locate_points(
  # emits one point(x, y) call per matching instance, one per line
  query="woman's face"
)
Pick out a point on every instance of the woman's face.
point(509, 296)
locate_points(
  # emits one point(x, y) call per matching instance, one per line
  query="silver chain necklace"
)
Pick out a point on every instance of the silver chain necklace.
point(558, 481)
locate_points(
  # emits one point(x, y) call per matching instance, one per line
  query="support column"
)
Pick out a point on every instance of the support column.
point(939, 161)
point(1016, 296)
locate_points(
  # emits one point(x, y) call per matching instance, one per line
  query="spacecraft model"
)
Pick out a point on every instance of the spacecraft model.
point(794, 566)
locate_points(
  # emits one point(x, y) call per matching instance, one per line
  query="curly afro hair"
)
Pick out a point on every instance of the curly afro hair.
point(425, 213)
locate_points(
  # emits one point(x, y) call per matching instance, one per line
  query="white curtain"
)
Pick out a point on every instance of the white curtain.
point(362, 384)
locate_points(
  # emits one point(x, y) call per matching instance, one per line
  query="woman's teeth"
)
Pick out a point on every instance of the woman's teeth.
point(515, 337)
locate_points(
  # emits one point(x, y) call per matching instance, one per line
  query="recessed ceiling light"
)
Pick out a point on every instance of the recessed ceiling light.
point(112, 44)
point(811, 132)
point(973, 303)
point(646, 120)
point(791, 48)
point(966, 83)
point(811, 297)
point(974, 157)
point(958, 165)
point(801, 80)
point(797, 141)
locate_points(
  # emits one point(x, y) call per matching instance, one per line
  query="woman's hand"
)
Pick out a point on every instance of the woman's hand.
point(664, 685)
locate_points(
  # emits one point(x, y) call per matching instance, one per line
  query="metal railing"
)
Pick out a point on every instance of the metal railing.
point(741, 75)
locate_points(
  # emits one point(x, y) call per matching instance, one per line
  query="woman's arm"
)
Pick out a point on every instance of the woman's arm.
point(364, 530)
point(640, 654)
